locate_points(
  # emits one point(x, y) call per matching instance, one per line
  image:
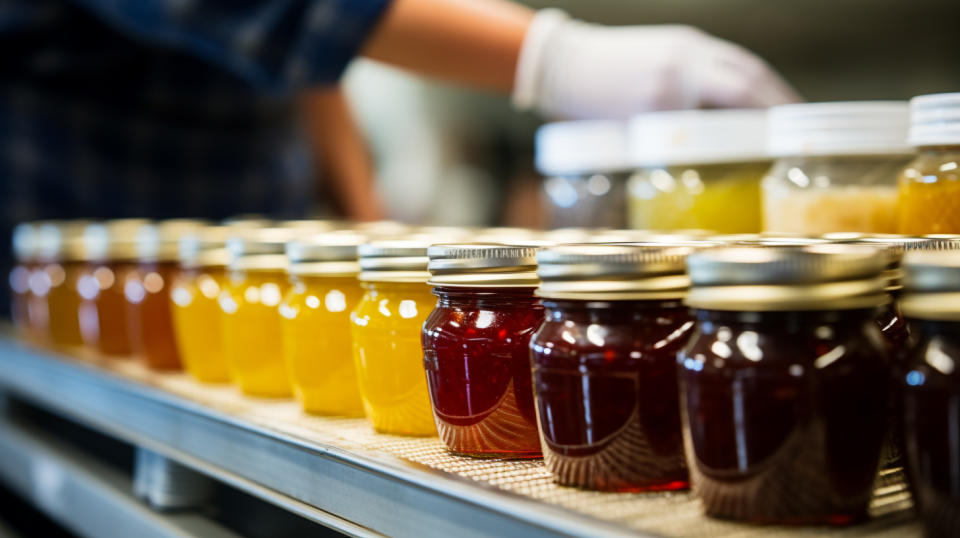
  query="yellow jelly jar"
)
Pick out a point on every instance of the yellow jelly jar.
point(697, 169)
point(315, 313)
point(194, 305)
point(252, 334)
point(386, 327)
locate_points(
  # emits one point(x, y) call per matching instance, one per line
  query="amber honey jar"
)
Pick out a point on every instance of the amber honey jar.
point(194, 305)
point(147, 291)
point(63, 257)
point(604, 365)
point(24, 241)
point(112, 249)
point(317, 344)
point(784, 383)
point(249, 305)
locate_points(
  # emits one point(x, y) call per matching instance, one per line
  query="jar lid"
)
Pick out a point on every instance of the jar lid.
point(569, 148)
point(160, 242)
point(24, 241)
point(62, 241)
point(931, 285)
point(614, 272)
point(308, 225)
point(260, 249)
point(382, 228)
point(688, 137)
point(483, 265)
point(332, 253)
point(205, 247)
point(401, 260)
point(784, 278)
point(113, 240)
point(935, 120)
point(840, 128)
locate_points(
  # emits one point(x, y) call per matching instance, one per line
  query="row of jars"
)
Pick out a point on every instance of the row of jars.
point(775, 375)
point(812, 168)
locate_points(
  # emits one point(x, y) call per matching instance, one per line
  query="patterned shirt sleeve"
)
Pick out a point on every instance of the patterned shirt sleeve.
point(274, 45)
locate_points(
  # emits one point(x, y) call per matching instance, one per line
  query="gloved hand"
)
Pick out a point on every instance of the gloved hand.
point(572, 69)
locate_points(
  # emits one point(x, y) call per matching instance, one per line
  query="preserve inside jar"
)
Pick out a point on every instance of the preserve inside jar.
point(147, 292)
point(64, 257)
point(476, 356)
point(606, 383)
point(929, 197)
point(785, 383)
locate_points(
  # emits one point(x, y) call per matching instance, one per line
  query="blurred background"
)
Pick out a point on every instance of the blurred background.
point(446, 155)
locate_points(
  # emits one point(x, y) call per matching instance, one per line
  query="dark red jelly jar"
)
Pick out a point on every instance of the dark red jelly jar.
point(785, 382)
point(476, 349)
point(930, 388)
point(604, 365)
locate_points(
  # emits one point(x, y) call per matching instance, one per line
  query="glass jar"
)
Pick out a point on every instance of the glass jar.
point(103, 308)
point(604, 365)
point(24, 252)
point(784, 384)
point(476, 348)
point(194, 297)
point(585, 170)
point(252, 333)
point(930, 185)
point(930, 387)
point(315, 313)
point(385, 328)
point(698, 170)
point(64, 258)
point(836, 167)
point(147, 291)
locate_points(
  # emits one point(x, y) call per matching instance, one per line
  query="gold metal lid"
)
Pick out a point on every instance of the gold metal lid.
point(931, 285)
point(483, 265)
point(160, 242)
point(783, 278)
point(382, 228)
point(637, 271)
point(62, 241)
point(309, 225)
point(260, 249)
point(331, 254)
point(113, 240)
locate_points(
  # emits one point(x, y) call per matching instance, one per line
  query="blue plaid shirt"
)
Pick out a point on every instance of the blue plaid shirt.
point(163, 108)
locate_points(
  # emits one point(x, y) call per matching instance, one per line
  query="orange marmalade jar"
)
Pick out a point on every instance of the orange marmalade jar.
point(196, 312)
point(63, 256)
point(147, 291)
point(315, 316)
point(252, 334)
point(929, 201)
point(103, 313)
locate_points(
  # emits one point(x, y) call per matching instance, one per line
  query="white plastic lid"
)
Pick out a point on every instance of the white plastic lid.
point(698, 137)
point(581, 147)
point(842, 128)
point(935, 120)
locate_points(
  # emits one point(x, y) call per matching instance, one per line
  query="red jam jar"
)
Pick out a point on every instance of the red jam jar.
point(112, 248)
point(604, 365)
point(476, 348)
point(784, 384)
point(930, 388)
point(147, 291)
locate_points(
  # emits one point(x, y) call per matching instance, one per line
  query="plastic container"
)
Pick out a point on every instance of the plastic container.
point(586, 168)
point(476, 348)
point(784, 384)
point(385, 328)
point(63, 256)
point(147, 291)
point(836, 167)
point(315, 313)
point(112, 249)
point(194, 297)
point(604, 365)
point(929, 201)
point(251, 329)
point(698, 169)
point(930, 385)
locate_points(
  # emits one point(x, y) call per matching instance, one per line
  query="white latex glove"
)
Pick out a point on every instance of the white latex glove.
point(572, 69)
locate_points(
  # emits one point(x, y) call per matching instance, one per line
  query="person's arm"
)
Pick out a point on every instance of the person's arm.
point(340, 147)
